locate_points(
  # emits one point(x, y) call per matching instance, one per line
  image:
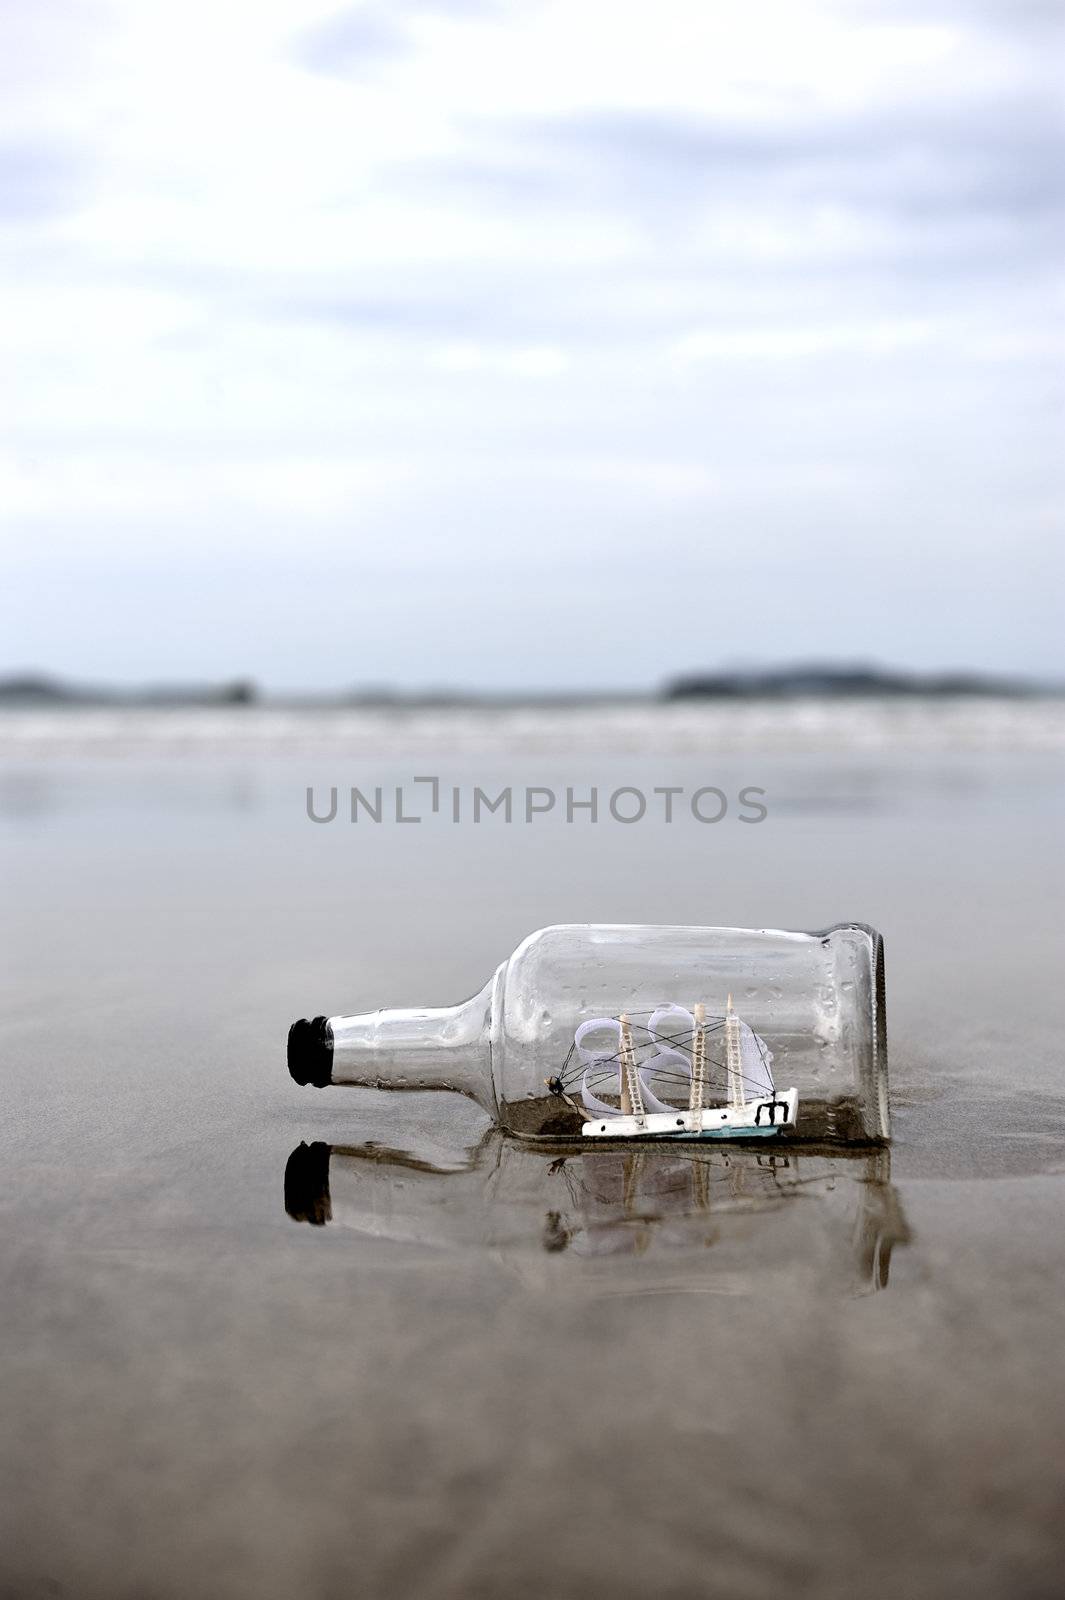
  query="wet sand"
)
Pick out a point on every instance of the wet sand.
point(491, 1369)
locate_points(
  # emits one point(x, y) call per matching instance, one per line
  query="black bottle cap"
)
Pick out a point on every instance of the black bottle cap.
point(307, 1184)
point(310, 1051)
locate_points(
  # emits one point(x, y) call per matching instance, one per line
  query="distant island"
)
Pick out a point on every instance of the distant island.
point(805, 680)
point(843, 682)
point(37, 689)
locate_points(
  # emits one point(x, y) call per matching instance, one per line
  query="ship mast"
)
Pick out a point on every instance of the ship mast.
point(695, 1099)
point(733, 1059)
point(631, 1093)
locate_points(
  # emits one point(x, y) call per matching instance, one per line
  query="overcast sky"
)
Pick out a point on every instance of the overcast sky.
point(529, 344)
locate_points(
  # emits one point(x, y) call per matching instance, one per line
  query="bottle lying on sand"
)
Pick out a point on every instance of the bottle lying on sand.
point(629, 1032)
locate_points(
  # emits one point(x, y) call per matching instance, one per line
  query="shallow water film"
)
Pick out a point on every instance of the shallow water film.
point(265, 1341)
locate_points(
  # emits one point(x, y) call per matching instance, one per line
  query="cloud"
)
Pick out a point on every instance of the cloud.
point(524, 361)
point(351, 41)
point(1036, 20)
point(38, 180)
point(995, 157)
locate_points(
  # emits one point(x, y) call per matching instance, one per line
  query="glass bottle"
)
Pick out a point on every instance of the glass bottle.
point(813, 1001)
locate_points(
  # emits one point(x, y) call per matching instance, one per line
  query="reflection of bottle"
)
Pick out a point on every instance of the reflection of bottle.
point(717, 1216)
point(816, 999)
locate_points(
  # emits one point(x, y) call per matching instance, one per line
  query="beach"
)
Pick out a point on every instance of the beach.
point(477, 1367)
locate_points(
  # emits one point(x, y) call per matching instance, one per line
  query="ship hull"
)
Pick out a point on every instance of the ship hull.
point(760, 1119)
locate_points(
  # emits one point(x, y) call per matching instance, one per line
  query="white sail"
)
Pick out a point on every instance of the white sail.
point(756, 1064)
point(669, 1025)
point(666, 1024)
point(670, 1061)
point(604, 1054)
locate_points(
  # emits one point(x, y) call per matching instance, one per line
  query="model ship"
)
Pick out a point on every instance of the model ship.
point(679, 1051)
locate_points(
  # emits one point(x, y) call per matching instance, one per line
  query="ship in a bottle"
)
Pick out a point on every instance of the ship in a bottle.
point(715, 1070)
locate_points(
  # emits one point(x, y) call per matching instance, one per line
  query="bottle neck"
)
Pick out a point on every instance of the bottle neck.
point(442, 1047)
